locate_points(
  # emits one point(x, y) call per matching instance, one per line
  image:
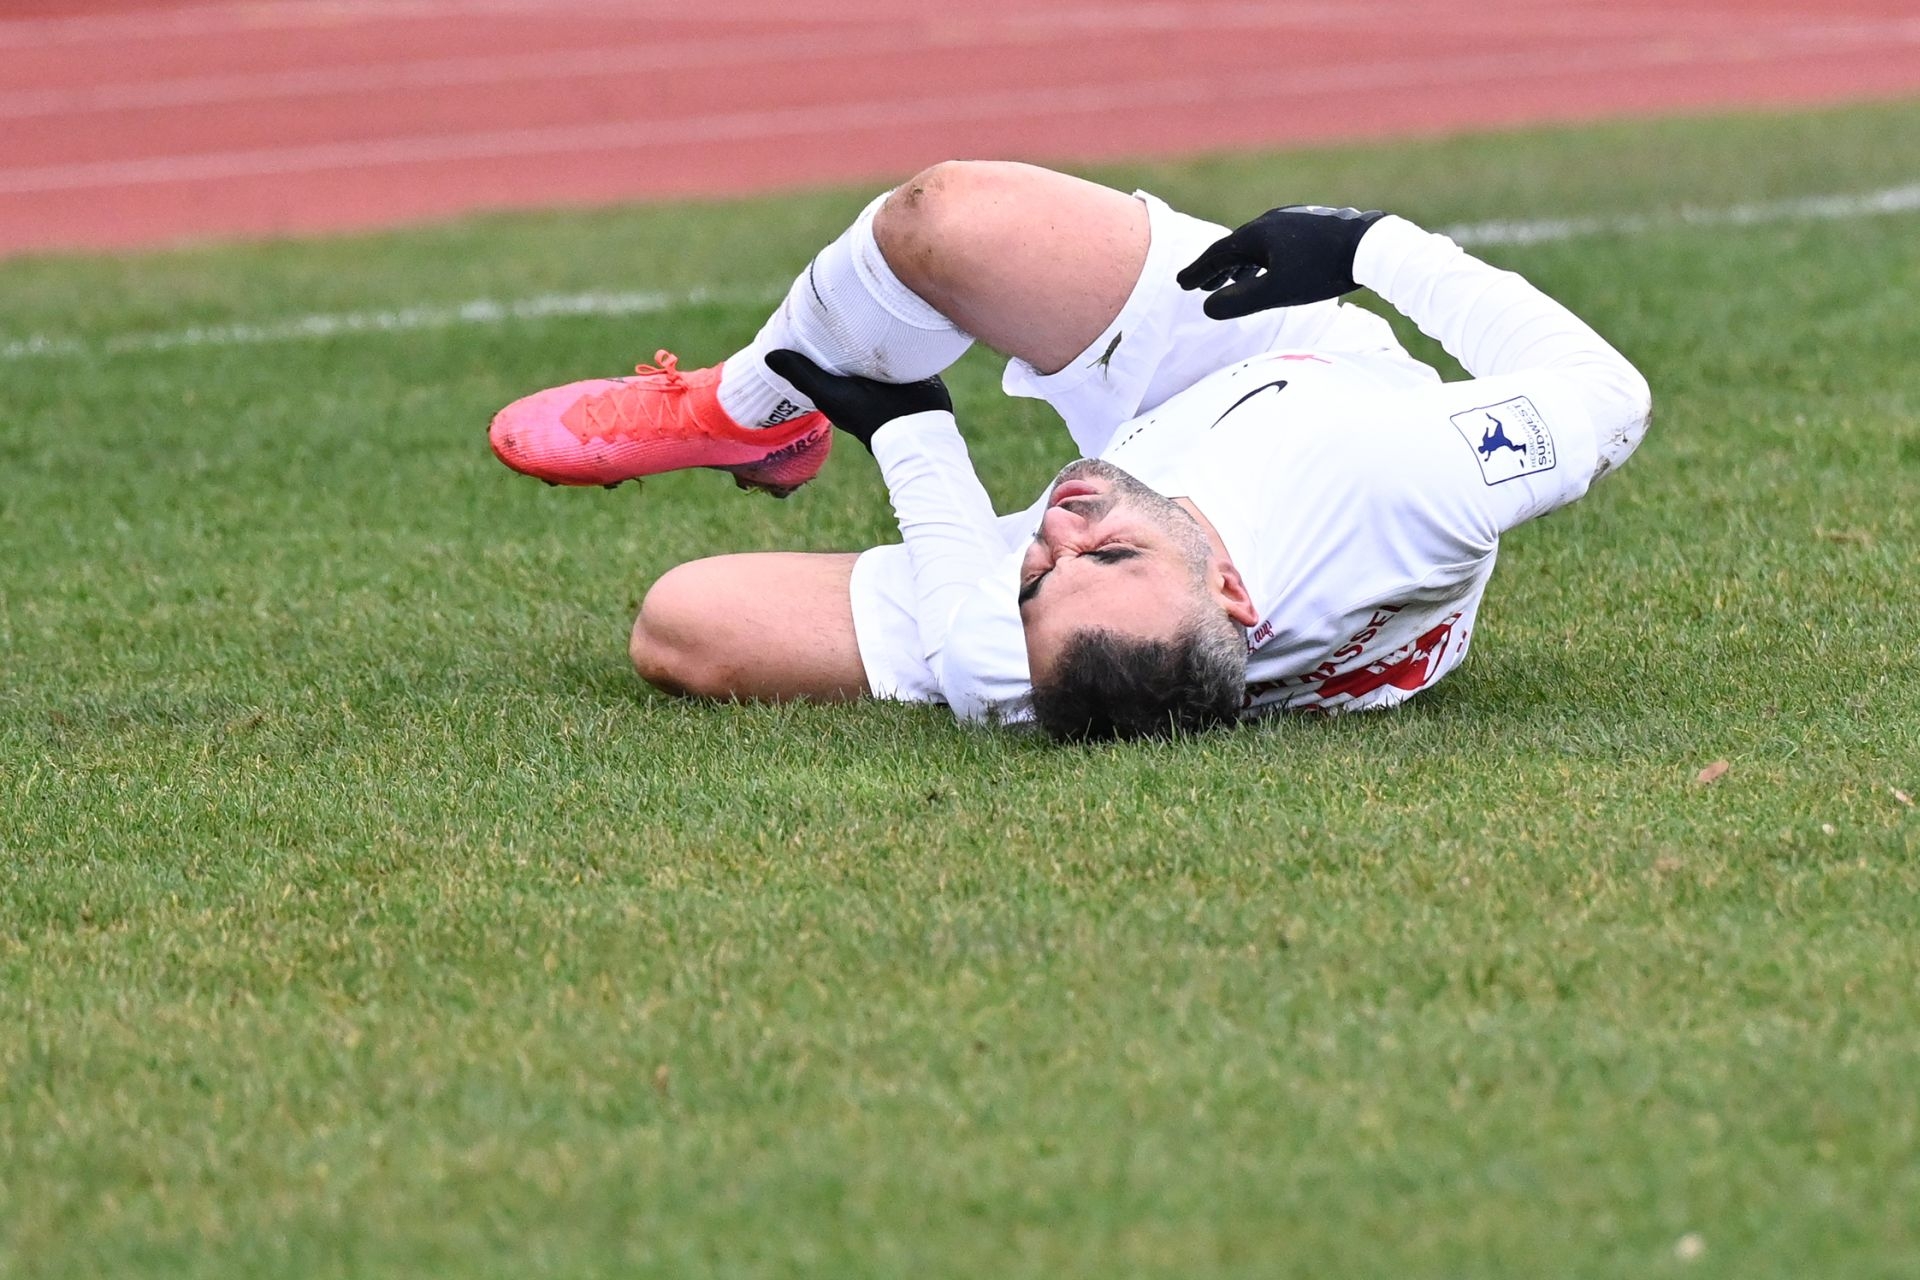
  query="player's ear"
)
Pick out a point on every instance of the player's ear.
point(1229, 590)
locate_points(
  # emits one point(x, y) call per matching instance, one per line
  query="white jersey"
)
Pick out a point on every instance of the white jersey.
point(1360, 497)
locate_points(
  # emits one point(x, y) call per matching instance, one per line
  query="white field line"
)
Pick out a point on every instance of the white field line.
point(479, 313)
point(490, 312)
point(1822, 208)
point(656, 132)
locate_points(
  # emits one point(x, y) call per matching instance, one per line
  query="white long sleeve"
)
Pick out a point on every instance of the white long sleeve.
point(946, 520)
point(1494, 322)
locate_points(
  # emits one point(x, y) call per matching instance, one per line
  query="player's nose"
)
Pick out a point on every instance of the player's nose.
point(1058, 526)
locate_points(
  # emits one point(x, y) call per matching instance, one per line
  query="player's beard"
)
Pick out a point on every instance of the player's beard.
point(1123, 490)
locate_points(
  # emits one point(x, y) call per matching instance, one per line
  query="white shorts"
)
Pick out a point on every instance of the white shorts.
point(1161, 343)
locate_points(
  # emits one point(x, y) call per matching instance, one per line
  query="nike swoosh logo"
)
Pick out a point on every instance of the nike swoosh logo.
point(1265, 386)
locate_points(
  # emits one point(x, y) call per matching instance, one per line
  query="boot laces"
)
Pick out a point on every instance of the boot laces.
point(668, 368)
point(614, 414)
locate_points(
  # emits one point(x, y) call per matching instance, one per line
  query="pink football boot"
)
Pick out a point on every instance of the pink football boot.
point(608, 430)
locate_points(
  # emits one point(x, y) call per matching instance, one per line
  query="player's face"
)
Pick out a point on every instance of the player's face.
point(1110, 554)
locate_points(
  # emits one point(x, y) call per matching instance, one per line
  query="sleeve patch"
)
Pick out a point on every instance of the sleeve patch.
point(1510, 439)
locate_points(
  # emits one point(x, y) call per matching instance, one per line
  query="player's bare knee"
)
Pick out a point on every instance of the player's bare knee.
point(923, 228)
point(925, 194)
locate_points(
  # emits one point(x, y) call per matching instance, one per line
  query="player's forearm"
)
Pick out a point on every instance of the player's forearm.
point(1494, 322)
point(945, 517)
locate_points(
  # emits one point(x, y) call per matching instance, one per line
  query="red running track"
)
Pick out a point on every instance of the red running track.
point(128, 124)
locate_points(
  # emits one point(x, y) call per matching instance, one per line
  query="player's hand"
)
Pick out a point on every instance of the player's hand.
point(858, 406)
point(1286, 257)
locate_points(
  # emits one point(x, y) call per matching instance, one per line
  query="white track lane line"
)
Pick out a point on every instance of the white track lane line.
point(440, 73)
point(656, 132)
point(491, 312)
point(1041, 29)
point(254, 18)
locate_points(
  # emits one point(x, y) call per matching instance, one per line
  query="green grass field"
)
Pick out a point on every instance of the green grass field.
point(361, 914)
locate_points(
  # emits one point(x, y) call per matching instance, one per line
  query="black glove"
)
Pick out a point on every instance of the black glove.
point(858, 406)
point(1286, 257)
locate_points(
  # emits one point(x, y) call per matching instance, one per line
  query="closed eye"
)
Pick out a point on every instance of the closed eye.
point(1101, 555)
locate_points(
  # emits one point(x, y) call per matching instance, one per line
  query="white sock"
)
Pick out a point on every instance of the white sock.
point(848, 313)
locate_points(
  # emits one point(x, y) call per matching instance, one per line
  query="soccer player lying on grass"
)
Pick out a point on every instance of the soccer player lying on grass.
point(1276, 506)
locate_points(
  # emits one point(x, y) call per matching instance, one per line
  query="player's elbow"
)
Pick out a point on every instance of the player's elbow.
point(1622, 406)
point(1635, 413)
point(1638, 396)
